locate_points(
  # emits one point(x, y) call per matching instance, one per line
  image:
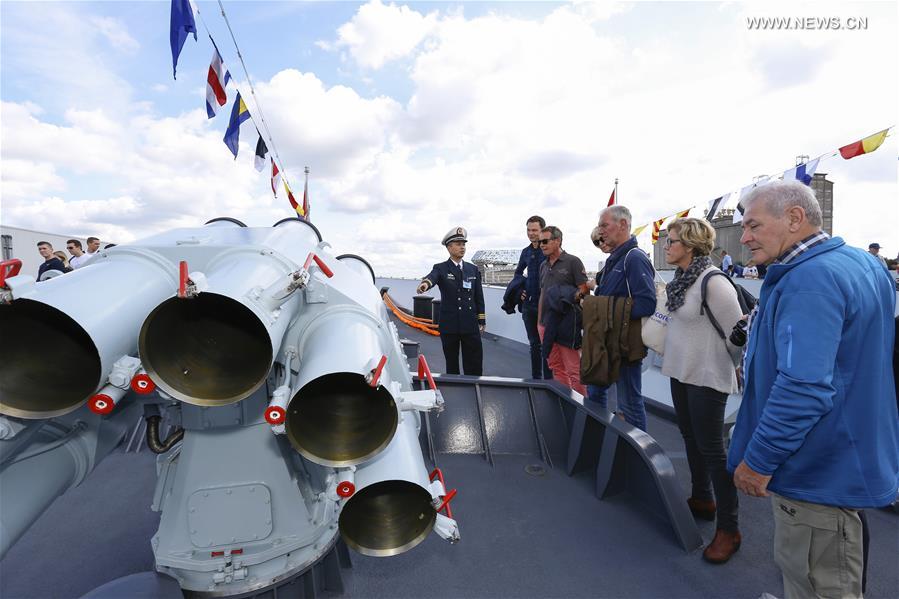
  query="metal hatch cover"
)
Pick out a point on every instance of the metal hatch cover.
point(228, 515)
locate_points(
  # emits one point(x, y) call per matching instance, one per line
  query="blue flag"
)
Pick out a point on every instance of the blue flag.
point(182, 24)
point(239, 114)
point(802, 172)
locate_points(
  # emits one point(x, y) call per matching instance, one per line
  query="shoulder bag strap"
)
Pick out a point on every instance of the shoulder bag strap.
point(704, 305)
point(655, 273)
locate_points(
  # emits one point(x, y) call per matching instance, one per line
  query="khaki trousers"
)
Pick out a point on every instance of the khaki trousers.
point(818, 549)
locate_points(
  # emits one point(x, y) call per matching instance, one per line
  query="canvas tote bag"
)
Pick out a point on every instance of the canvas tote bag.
point(655, 327)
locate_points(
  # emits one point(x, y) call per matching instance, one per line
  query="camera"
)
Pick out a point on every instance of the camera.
point(738, 334)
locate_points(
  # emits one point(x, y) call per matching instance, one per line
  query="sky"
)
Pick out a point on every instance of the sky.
point(415, 118)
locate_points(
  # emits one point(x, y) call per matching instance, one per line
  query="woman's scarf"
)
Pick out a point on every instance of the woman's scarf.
point(683, 279)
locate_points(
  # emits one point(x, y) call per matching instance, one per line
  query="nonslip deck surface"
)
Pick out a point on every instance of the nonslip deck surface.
point(522, 535)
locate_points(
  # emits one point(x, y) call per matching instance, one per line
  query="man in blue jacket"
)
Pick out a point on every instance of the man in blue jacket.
point(627, 273)
point(531, 258)
point(818, 428)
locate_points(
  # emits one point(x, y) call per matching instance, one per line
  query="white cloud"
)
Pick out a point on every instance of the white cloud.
point(378, 34)
point(24, 178)
point(600, 11)
point(333, 127)
point(56, 50)
point(514, 116)
point(91, 143)
point(115, 33)
point(152, 174)
point(506, 116)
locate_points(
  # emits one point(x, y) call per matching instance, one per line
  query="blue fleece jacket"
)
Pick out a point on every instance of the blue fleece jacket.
point(819, 408)
point(632, 271)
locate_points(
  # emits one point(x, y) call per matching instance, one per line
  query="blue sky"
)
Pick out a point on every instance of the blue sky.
point(417, 117)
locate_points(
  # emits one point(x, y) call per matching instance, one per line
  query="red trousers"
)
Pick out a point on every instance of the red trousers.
point(565, 363)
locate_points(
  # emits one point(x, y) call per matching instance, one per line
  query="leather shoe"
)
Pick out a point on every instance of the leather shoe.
point(722, 547)
point(702, 508)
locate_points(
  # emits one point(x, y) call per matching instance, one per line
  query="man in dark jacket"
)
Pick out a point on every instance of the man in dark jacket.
point(51, 262)
point(627, 273)
point(560, 268)
point(462, 313)
point(561, 318)
point(530, 260)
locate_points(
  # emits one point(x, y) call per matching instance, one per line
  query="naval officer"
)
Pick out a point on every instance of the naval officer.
point(462, 314)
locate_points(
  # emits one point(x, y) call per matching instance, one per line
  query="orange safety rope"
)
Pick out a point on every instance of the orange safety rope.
point(430, 329)
point(425, 321)
point(403, 317)
point(393, 306)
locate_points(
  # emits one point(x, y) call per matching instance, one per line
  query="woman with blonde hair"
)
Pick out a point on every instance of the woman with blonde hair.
point(701, 366)
point(65, 261)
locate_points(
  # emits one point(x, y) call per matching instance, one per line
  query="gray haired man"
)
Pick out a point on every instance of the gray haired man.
point(817, 429)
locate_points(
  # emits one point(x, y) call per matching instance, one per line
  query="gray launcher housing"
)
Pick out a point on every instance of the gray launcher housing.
point(274, 365)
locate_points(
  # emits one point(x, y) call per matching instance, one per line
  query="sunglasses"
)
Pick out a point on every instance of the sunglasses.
point(597, 242)
point(545, 241)
point(669, 242)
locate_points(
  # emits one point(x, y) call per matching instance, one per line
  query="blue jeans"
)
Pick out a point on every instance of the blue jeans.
point(539, 367)
point(629, 390)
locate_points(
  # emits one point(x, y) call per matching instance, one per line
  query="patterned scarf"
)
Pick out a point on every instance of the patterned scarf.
point(683, 279)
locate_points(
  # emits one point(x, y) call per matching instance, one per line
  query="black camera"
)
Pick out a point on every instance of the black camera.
point(738, 334)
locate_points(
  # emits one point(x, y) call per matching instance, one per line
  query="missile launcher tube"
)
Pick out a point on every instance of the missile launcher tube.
point(337, 418)
point(392, 509)
point(63, 336)
point(218, 347)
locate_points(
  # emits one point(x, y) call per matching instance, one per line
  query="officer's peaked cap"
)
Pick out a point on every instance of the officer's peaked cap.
point(455, 234)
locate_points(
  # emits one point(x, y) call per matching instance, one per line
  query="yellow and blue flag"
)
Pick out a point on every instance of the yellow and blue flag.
point(239, 114)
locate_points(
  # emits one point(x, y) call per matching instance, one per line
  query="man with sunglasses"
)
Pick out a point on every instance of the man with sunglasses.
point(462, 313)
point(560, 270)
point(79, 258)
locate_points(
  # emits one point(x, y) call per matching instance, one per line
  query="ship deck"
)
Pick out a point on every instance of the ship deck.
point(523, 534)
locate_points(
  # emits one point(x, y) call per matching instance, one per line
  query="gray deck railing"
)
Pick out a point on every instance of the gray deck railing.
point(495, 416)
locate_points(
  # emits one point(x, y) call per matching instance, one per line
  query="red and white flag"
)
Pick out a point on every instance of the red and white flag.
point(611, 199)
point(276, 178)
point(216, 81)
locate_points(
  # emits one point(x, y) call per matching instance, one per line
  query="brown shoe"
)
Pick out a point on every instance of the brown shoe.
point(702, 508)
point(723, 546)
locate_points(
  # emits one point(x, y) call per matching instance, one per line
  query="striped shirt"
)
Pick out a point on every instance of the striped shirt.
point(800, 247)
